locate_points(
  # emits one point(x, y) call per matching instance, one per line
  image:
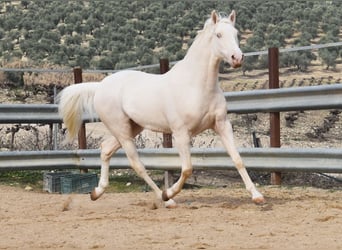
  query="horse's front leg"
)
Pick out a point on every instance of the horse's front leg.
point(224, 129)
point(183, 145)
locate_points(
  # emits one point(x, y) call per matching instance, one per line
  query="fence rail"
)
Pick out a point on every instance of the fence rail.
point(29, 113)
point(285, 99)
point(265, 159)
point(260, 159)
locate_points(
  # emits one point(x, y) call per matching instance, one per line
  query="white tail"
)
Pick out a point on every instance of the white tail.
point(74, 101)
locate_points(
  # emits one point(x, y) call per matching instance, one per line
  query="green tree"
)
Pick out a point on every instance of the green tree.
point(24, 3)
point(16, 78)
point(256, 41)
point(299, 59)
point(6, 44)
point(250, 62)
point(329, 55)
point(2, 33)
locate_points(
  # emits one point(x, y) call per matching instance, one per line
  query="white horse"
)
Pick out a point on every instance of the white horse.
point(184, 101)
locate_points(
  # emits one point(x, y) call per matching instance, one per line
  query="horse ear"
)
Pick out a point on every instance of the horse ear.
point(232, 17)
point(214, 17)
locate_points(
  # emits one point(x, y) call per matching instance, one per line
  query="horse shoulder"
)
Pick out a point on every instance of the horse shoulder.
point(219, 106)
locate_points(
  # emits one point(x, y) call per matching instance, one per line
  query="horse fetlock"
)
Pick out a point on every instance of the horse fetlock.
point(164, 196)
point(169, 193)
point(251, 189)
point(103, 184)
point(187, 172)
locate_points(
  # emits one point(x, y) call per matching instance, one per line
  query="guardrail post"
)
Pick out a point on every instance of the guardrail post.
point(54, 126)
point(82, 139)
point(273, 73)
point(167, 138)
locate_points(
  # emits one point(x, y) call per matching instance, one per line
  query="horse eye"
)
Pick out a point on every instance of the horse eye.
point(219, 35)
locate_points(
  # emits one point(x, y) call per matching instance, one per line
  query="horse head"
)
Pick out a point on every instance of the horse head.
point(225, 43)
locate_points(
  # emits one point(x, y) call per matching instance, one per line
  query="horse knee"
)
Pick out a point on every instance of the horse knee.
point(107, 149)
point(105, 155)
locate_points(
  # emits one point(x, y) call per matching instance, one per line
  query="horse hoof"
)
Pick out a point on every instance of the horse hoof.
point(94, 196)
point(170, 204)
point(259, 200)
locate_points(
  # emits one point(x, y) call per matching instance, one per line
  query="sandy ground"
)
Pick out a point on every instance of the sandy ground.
point(293, 218)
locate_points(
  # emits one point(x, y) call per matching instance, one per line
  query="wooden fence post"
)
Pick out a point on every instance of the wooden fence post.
point(273, 73)
point(167, 138)
point(82, 139)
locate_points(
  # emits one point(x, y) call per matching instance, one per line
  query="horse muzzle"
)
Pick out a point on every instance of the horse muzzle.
point(236, 61)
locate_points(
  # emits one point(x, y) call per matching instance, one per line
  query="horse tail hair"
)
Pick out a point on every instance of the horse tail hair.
point(75, 101)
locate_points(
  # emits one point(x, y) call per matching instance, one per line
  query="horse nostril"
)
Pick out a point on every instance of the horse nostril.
point(233, 57)
point(242, 57)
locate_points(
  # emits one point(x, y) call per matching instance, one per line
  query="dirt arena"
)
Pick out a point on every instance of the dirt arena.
point(222, 218)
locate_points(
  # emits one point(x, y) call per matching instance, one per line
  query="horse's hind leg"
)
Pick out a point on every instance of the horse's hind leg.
point(224, 129)
point(133, 157)
point(108, 148)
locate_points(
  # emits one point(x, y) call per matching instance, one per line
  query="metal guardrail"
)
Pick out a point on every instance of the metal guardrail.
point(270, 100)
point(285, 99)
point(259, 159)
point(29, 113)
point(265, 159)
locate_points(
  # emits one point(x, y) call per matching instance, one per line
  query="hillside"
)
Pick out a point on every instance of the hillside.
point(120, 34)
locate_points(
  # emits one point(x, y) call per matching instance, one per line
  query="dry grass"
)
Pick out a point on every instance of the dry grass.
point(64, 78)
point(258, 79)
point(234, 80)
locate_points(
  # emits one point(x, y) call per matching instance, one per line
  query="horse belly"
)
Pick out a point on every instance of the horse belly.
point(146, 108)
point(148, 117)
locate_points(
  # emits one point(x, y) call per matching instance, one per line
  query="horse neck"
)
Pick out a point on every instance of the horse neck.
point(200, 63)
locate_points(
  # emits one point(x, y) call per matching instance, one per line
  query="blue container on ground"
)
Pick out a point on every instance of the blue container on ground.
point(78, 183)
point(52, 181)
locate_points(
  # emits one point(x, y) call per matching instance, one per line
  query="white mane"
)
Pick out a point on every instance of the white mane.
point(223, 17)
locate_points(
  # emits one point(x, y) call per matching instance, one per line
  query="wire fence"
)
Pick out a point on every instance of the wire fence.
point(143, 67)
point(293, 49)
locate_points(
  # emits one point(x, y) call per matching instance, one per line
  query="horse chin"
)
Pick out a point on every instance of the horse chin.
point(236, 65)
